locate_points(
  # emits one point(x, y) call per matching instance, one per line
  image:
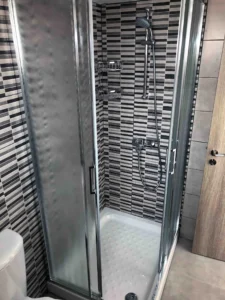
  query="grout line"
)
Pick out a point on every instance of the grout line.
point(213, 40)
point(199, 142)
point(195, 169)
point(216, 77)
point(189, 218)
point(209, 111)
point(192, 195)
point(1, 148)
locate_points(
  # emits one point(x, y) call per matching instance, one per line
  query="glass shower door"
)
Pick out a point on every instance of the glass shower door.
point(188, 52)
point(53, 48)
point(187, 89)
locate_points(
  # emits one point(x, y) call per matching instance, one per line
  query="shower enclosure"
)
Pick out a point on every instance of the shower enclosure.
point(108, 87)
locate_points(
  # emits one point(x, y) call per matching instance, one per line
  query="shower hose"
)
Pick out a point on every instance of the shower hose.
point(146, 186)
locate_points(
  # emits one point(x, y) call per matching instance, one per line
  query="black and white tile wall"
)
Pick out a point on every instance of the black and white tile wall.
point(128, 116)
point(19, 209)
point(100, 83)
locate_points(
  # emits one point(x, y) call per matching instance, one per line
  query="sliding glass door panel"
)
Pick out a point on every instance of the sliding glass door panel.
point(189, 46)
point(53, 47)
point(187, 96)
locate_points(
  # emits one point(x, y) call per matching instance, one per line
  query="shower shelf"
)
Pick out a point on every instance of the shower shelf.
point(109, 94)
point(111, 65)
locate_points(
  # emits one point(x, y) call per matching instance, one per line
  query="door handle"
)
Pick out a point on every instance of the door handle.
point(92, 180)
point(174, 160)
point(217, 154)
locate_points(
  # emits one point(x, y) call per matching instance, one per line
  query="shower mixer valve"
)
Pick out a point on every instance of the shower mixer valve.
point(151, 143)
point(141, 143)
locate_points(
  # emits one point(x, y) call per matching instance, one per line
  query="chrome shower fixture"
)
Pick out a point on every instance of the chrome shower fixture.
point(145, 23)
point(143, 143)
point(140, 144)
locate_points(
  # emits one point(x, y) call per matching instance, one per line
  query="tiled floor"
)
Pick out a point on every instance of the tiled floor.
point(194, 277)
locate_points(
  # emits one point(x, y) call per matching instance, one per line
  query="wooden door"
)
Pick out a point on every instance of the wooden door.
point(209, 237)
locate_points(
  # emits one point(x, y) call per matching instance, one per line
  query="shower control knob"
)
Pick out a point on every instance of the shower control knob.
point(212, 162)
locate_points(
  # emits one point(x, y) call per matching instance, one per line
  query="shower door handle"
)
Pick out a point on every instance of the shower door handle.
point(92, 180)
point(174, 161)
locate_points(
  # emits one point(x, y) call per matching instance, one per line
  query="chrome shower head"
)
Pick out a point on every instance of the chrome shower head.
point(143, 22)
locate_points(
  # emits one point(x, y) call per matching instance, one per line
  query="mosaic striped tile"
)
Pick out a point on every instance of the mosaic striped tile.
point(130, 116)
point(19, 207)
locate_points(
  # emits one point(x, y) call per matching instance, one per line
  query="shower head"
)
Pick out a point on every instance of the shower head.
point(143, 22)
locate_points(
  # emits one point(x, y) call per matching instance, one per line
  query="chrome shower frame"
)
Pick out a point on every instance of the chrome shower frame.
point(147, 36)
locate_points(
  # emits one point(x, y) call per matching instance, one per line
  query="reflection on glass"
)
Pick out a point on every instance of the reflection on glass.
point(47, 38)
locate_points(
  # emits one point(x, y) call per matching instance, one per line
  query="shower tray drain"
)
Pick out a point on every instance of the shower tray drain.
point(131, 296)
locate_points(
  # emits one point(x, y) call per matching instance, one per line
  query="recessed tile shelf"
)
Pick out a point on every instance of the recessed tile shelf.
point(111, 65)
point(110, 93)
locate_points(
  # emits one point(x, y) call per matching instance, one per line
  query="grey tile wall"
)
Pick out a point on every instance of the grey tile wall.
point(197, 155)
point(191, 205)
point(209, 70)
point(194, 181)
point(206, 94)
point(201, 127)
point(211, 57)
point(215, 26)
point(129, 115)
point(19, 208)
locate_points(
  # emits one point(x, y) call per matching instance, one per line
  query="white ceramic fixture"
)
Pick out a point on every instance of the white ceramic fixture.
point(12, 267)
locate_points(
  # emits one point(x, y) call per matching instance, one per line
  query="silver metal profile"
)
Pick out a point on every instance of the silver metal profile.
point(94, 112)
point(198, 43)
point(145, 94)
point(77, 65)
point(187, 7)
point(64, 293)
point(181, 41)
